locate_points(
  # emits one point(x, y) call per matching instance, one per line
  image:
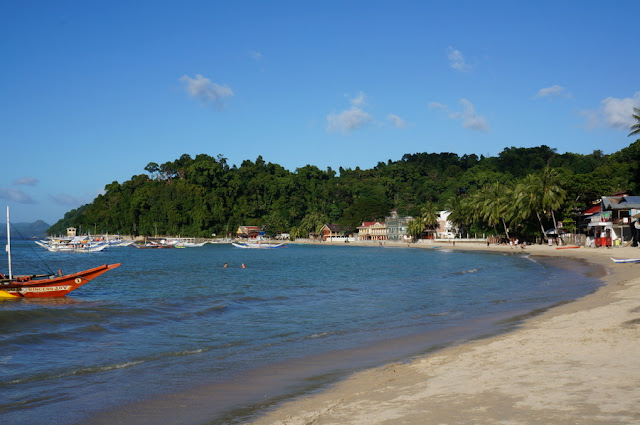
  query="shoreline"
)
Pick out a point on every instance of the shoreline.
point(574, 363)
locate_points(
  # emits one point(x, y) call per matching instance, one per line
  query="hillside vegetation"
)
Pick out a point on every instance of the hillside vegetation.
point(205, 195)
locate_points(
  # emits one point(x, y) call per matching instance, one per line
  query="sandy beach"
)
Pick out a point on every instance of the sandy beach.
point(578, 363)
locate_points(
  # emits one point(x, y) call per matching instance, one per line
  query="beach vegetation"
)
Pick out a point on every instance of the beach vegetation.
point(520, 192)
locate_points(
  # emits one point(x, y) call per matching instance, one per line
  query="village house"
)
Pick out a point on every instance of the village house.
point(332, 233)
point(397, 227)
point(445, 228)
point(249, 232)
point(372, 231)
point(612, 221)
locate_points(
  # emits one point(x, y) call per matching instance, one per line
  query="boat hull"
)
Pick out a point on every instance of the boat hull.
point(626, 260)
point(54, 286)
point(258, 245)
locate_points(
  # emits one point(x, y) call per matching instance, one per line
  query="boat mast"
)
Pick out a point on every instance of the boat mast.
point(9, 243)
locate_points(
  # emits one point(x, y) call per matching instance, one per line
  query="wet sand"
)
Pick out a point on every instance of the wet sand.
point(577, 363)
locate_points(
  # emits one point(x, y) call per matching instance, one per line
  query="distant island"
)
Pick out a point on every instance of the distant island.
point(37, 229)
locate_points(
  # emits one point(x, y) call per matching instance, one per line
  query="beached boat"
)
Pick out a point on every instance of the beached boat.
point(44, 285)
point(258, 245)
point(625, 260)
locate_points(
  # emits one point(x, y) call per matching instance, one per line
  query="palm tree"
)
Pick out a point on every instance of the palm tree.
point(496, 205)
point(460, 214)
point(635, 129)
point(429, 215)
point(540, 193)
point(553, 194)
point(415, 228)
point(528, 199)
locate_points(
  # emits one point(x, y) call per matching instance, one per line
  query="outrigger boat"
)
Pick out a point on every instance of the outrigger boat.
point(258, 245)
point(44, 285)
point(625, 260)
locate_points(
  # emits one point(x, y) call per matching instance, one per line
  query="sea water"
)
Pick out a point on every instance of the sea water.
point(175, 321)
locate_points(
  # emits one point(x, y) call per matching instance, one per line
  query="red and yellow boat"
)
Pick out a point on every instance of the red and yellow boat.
point(35, 286)
point(47, 285)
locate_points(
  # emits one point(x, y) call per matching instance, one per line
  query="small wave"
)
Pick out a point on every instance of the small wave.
point(250, 299)
point(75, 372)
point(210, 311)
point(319, 335)
point(463, 272)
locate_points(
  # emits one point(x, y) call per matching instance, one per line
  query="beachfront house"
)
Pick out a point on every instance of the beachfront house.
point(372, 231)
point(445, 229)
point(249, 232)
point(611, 221)
point(333, 233)
point(620, 211)
point(397, 227)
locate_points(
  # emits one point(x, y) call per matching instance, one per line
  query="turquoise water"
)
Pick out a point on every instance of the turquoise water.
point(171, 321)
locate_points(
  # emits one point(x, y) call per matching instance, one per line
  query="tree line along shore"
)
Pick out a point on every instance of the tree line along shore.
point(520, 192)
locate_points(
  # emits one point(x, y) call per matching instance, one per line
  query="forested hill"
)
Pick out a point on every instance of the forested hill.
point(205, 195)
point(37, 229)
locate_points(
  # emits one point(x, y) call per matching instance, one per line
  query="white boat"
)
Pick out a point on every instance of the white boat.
point(77, 244)
point(258, 245)
point(625, 260)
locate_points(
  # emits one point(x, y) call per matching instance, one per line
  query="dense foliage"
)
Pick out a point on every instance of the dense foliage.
point(520, 190)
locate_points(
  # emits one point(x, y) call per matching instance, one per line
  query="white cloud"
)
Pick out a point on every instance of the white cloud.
point(15, 195)
point(437, 105)
point(613, 113)
point(553, 91)
point(457, 61)
point(360, 100)
point(396, 120)
point(470, 119)
point(348, 120)
point(207, 91)
point(617, 113)
point(26, 181)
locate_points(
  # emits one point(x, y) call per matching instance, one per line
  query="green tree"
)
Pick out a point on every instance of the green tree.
point(415, 228)
point(635, 128)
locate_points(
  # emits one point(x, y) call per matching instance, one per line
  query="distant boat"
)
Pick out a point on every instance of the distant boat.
point(44, 285)
point(154, 245)
point(625, 260)
point(258, 245)
point(77, 244)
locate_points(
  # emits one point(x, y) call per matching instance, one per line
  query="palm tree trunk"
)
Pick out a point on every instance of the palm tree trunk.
point(505, 228)
point(555, 226)
point(544, 235)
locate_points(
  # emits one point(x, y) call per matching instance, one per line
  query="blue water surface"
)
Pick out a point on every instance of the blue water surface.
point(168, 320)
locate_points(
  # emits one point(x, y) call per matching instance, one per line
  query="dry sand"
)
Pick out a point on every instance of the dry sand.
point(575, 364)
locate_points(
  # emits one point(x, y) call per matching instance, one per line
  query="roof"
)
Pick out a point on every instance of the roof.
point(620, 202)
point(334, 228)
point(367, 223)
point(593, 210)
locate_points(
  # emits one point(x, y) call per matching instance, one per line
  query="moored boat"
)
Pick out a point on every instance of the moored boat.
point(35, 286)
point(258, 245)
point(44, 285)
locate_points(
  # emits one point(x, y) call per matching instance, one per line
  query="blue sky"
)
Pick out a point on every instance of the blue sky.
point(92, 92)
